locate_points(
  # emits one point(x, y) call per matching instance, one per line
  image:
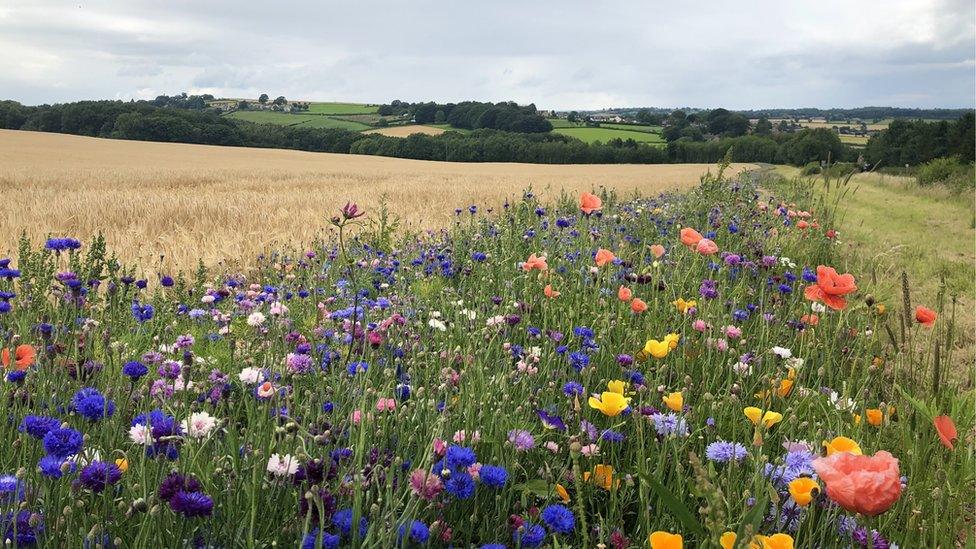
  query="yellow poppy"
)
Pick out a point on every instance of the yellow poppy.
point(672, 340)
point(666, 540)
point(122, 464)
point(727, 541)
point(562, 493)
point(875, 416)
point(785, 386)
point(803, 489)
point(616, 386)
point(683, 305)
point(842, 444)
point(856, 418)
point(610, 403)
point(769, 418)
point(675, 401)
point(657, 349)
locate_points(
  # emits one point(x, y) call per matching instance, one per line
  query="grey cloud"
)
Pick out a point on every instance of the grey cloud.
point(569, 54)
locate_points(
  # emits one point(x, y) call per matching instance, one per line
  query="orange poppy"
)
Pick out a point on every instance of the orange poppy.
point(589, 203)
point(925, 316)
point(830, 288)
point(534, 262)
point(549, 292)
point(624, 293)
point(603, 257)
point(690, 237)
point(875, 416)
point(810, 320)
point(657, 251)
point(706, 247)
point(602, 476)
point(638, 305)
point(24, 356)
point(946, 430)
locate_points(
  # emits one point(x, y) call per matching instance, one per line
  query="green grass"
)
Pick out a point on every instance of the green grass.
point(592, 135)
point(342, 108)
point(562, 123)
point(302, 120)
point(888, 224)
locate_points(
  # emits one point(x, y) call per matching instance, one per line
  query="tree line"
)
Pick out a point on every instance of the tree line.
point(913, 142)
point(143, 120)
point(472, 115)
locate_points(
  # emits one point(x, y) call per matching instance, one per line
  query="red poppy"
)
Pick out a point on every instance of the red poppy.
point(690, 237)
point(925, 316)
point(830, 288)
point(946, 430)
point(603, 257)
point(24, 356)
point(638, 305)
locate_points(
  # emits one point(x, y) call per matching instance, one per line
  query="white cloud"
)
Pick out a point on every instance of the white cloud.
point(570, 54)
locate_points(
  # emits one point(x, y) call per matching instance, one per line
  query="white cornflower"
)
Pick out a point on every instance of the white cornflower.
point(282, 466)
point(251, 375)
point(255, 319)
point(199, 425)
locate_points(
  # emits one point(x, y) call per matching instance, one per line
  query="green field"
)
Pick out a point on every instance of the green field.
point(303, 120)
point(592, 135)
point(562, 123)
point(632, 127)
point(341, 108)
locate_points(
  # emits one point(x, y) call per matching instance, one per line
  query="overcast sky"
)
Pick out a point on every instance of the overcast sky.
point(561, 54)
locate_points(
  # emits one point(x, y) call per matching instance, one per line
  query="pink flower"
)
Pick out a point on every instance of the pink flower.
point(474, 469)
point(425, 484)
point(868, 485)
point(385, 405)
point(590, 450)
point(699, 325)
point(357, 417)
point(733, 332)
point(440, 447)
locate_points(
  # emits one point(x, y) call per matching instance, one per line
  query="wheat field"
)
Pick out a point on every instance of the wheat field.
point(169, 205)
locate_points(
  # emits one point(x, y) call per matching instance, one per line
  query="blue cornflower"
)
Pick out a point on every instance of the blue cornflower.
point(558, 518)
point(329, 541)
point(354, 367)
point(63, 442)
point(134, 369)
point(418, 532)
point(99, 474)
point(721, 451)
point(11, 489)
point(51, 466)
point(579, 360)
point(572, 388)
point(460, 485)
point(343, 521)
point(38, 426)
point(142, 312)
point(62, 244)
point(459, 457)
point(493, 475)
point(92, 404)
point(191, 504)
point(529, 536)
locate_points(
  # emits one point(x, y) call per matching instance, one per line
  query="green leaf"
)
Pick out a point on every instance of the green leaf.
point(920, 407)
point(678, 509)
point(752, 518)
point(537, 487)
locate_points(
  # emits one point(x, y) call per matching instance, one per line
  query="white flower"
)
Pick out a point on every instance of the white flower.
point(818, 307)
point(842, 403)
point(469, 314)
point(255, 319)
point(437, 324)
point(498, 319)
point(140, 434)
point(795, 362)
point(782, 352)
point(207, 299)
point(199, 425)
point(282, 466)
point(742, 368)
point(251, 375)
point(435, 314)
point(277, 309)
point(787, 262)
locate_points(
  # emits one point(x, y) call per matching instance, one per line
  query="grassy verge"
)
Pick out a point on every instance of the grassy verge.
point(888, 224)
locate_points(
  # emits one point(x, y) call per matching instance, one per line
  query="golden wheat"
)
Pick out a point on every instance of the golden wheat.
point(169, 205)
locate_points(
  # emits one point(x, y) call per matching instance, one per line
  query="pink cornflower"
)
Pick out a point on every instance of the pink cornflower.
point(522, 440)
point(425, 484)
point(590, 450)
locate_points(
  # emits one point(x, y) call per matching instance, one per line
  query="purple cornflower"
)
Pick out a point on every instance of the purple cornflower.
point(522, 440)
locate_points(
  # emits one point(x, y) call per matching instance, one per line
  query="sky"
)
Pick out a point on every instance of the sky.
point(561, 55)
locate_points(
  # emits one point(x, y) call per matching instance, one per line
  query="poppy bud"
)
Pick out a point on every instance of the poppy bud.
point(869, 299)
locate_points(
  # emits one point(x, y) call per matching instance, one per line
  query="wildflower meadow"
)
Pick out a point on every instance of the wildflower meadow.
point(595, 370)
